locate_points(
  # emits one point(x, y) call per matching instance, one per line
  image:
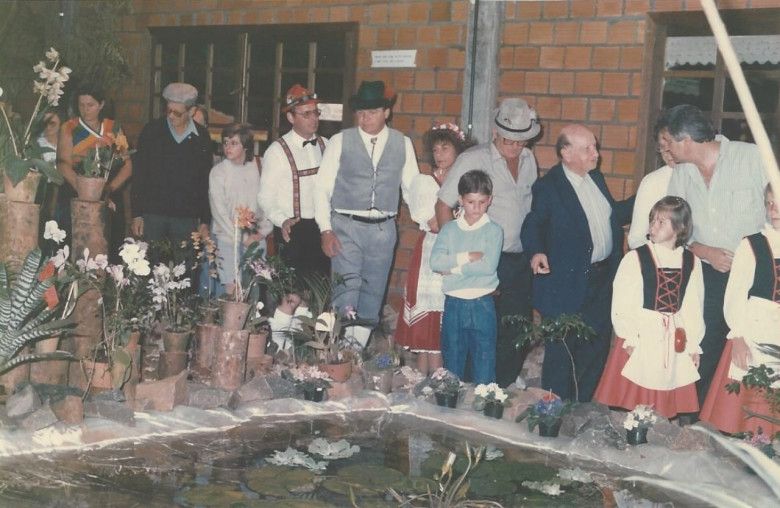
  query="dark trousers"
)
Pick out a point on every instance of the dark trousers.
point(304, 251)
point(175, 229)
point(589, 355)
point(715, 335)
point(514, 284)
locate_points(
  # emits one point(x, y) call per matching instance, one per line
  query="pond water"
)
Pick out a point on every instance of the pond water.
point(232, 469)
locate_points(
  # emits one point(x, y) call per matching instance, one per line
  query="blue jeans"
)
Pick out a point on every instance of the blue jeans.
point(468, 329)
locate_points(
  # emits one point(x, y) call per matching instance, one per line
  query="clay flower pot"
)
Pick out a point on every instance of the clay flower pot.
point(25, 190)
point(233, 314)
point(175, 342)
point(339, 372)
point(90, 189)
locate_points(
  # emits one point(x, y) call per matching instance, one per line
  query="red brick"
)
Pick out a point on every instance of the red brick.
point(606, 57)
point(609, 8)
point(562, 83)
point(615, 83)
point(528, 10)
point(593, 32)
point(418, 13)
point(367, 37)
point(403, 80)
point(669, 5)
point(436, 57)
point(338, 14)
point(399, 13)
point(541, 33)
point(440, 11)
point(385, 37)
point(628, 111)
point(582, 8)
point(526, 58)
point(506, 56)
point(407, 36)
point(412, 101)
point(587, 83)
point(358, 13)
point(623, 32)
point(551, 57)
point(548, 107)
point(377, 14)
point(567, 32)
point(424, 80)
point(554, 9)
point(623, 163)
point(301, 15)
point(606, 160)
point(545, 155)
point(614, 136)
point(512, 80)
point(447, 80)
point(460, 12)
point(433, 103)
point(633, 7)
point(631, 57)
point(456, 58)
point(574, 109)
point(537, 82)
point(426, 36)
point(602, 110)
point(451, 34)
point(617, 187)
point(453, 103)
point(577, 57)
point(515, 33)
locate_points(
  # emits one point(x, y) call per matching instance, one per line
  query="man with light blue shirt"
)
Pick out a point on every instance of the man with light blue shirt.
point(170, 187)
point(723, 181)
point(574, 239)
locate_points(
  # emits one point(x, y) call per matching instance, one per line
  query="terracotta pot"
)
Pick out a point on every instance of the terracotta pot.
point(493, 410)
point(550, 429)
point(230, 359)
point(24, 191)
point(50, 372)
point(19, 232)
point(90, 189)
point(258, 366)
point(209, 313)
point(97, 374)
point(233, 314)
point(636, 436)
point(339, 372)
point(447, 399)
point(256, 346)
point(176, 342)
point(203, 360)
point(172, 363)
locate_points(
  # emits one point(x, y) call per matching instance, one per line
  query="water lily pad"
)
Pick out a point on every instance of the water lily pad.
point(370, 476)
point(278, 481)
point(213, 495)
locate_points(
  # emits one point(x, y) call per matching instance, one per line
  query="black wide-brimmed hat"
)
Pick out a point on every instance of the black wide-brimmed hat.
point(372, 95)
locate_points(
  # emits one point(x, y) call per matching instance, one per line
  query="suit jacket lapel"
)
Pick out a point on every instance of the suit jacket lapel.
point(568, 196)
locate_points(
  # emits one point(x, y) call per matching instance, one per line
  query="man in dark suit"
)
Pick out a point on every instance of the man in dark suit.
point(573, 238)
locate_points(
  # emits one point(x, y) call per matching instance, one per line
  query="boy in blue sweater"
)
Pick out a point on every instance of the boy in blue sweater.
point(468, 326)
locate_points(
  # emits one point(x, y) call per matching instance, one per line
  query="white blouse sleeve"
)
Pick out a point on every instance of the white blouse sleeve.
point(422, 200)
point(628, 315)
point(692, 311)
point(735, 300)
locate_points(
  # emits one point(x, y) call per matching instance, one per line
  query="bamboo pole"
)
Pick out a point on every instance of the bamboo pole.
point(743, 92)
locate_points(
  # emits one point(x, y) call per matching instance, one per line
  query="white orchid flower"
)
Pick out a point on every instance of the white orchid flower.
point(53, 232)
point(325, 322)
point(179, 270)
point(161, 270)
point(140, 267)
point(117, 273)
point(52, 55)
point(61, 257)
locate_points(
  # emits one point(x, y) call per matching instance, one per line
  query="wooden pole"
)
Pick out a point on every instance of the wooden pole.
point(743, 92)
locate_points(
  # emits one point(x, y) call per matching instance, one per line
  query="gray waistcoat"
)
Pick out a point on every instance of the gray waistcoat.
point(355, 177)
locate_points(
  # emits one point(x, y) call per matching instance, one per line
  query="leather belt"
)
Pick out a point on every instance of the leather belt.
point(599, 264)
point(366, 220)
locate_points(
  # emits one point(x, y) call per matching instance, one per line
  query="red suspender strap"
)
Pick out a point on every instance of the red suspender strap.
point(297, 174)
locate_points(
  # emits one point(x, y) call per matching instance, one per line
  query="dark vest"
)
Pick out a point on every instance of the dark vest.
point(767, 273)
point(355, 178)
point(664, 291)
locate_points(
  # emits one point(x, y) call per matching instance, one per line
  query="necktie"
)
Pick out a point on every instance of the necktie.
point(373, 183)
point(307, 141)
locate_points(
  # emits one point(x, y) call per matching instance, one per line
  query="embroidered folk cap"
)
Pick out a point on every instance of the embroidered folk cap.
point(183, 93)
point(515, 120)
point(297, 95)
point(372, 95)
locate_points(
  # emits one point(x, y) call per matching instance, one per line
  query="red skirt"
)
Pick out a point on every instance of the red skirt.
point(724, 409)
point(423, 333)
point(616, 390)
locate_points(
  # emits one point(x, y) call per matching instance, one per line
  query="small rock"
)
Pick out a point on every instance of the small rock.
point(23, 402)
point(109, 396)
point(164, 394)
point(281, 388)
point(39, 419)
point(689, 439)
point(349, 388)
point(256, 388)
point(110, 410)
point(207, 397)
point(69, 410)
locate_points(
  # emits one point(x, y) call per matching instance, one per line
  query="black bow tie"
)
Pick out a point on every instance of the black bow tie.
point(312, 141)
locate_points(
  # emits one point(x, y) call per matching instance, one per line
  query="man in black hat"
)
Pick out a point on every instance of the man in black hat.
point(512, 168)
point(170, 190)
point(356, 202)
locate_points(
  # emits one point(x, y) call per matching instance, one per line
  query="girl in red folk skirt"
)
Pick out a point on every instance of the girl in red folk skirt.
point(657, 303)
point(419, 324)
point(751, 307)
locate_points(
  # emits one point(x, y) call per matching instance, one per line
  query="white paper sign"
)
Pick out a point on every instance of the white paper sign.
point(331, 112)
point(394, 58)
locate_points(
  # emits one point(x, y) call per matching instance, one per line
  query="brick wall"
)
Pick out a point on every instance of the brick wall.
point(574, 61)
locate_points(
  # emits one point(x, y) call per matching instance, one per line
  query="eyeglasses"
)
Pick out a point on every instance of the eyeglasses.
point(176, 114)
point(509, 142)
point(308, 114)
point(231, 143)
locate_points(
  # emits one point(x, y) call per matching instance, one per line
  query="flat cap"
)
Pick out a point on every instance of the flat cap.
point(183, 93)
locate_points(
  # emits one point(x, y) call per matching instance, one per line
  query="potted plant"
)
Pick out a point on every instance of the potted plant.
point(311, 380)
point(378, 371)
point(324, 336)
point(547, 413)
point(20, 156)
point(445, 386)
point(98, 164)
point(491, 400)
point(637, 421)
point(550, 328)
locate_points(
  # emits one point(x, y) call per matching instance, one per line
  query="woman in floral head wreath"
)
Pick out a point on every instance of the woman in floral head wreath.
point(419, 323)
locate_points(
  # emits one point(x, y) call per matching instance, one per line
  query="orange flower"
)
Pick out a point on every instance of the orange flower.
point(48, 271)
point(245, 218)
point(51, 297)
point(549, 397)
point(121, 143)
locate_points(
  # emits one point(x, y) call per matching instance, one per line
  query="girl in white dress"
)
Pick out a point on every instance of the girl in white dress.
point(657, 312)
